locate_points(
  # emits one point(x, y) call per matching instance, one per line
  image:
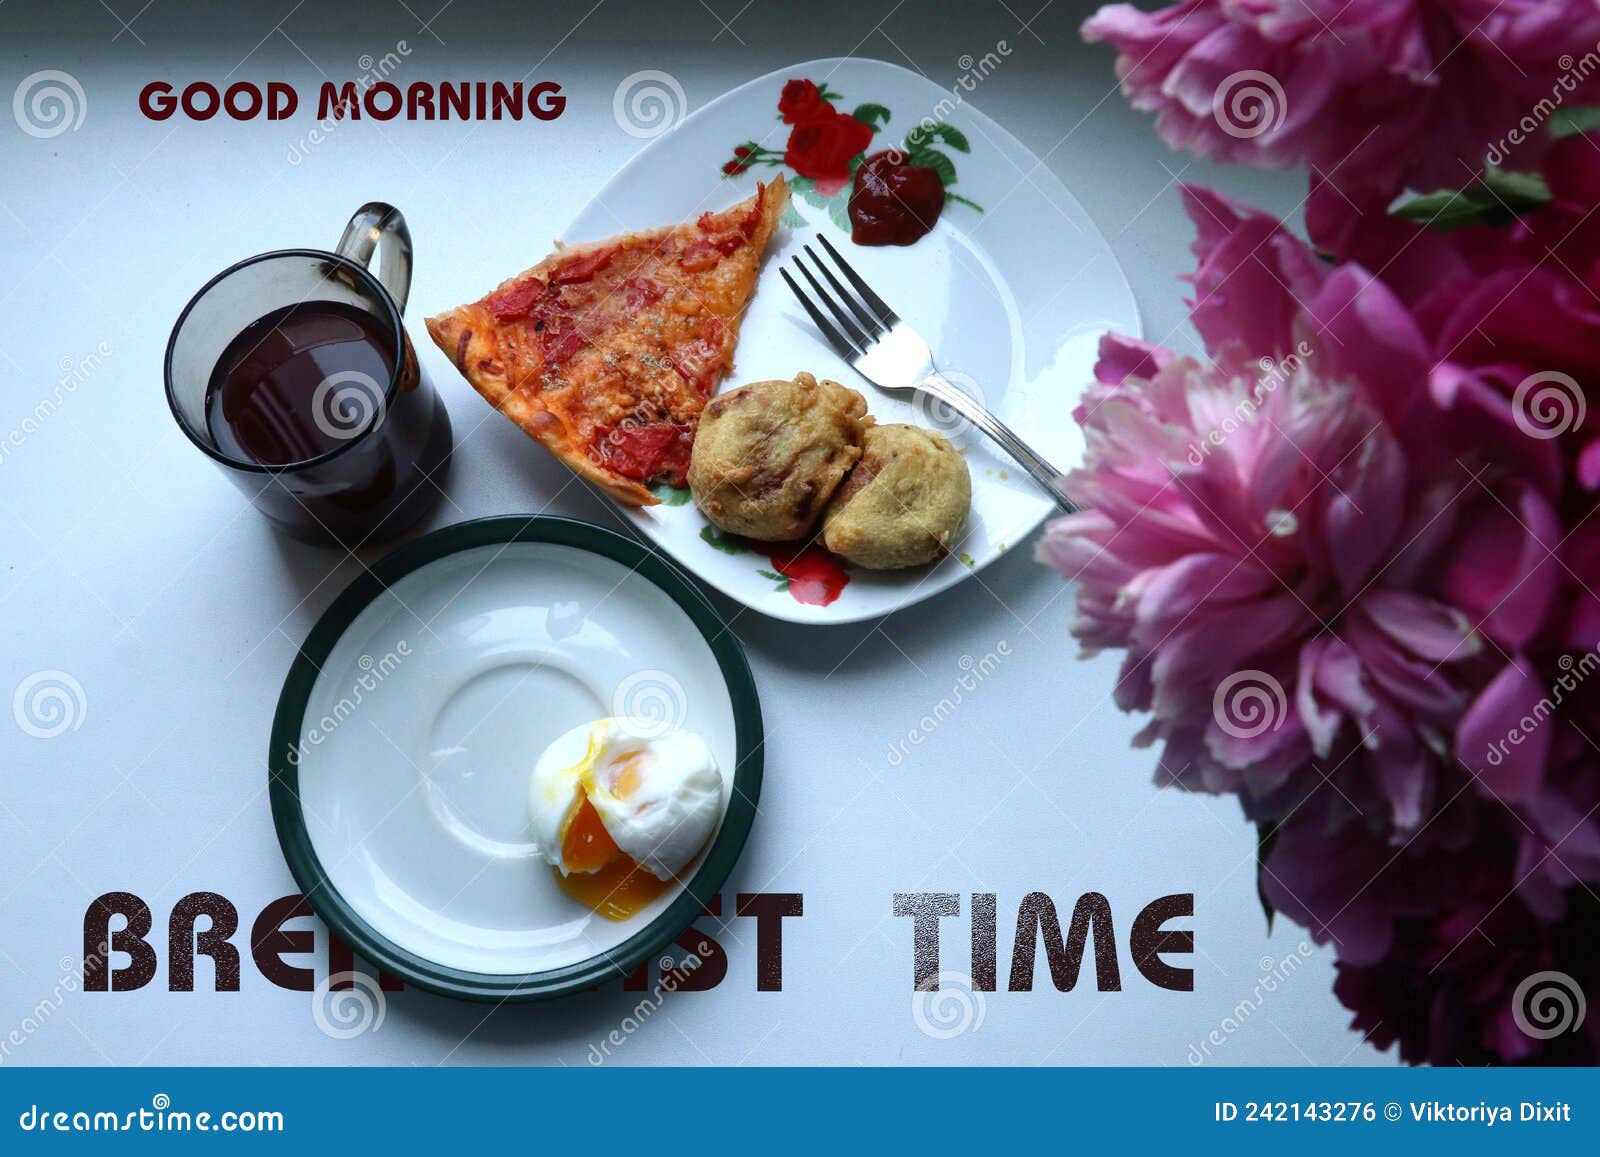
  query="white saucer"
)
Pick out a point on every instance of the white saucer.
point(414, 714)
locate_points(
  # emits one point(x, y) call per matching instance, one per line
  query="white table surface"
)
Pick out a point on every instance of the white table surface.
point(130, 564)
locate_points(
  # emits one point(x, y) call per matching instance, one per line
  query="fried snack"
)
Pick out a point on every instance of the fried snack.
point(903, 504)
point(768, 456)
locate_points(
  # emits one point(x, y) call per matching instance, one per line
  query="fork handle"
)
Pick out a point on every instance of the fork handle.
point(973, 411)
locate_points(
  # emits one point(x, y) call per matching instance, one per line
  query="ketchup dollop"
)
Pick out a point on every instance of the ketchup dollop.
point(894, 202)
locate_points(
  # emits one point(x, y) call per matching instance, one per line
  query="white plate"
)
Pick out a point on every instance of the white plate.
point(1013, 301)
point(418, 712)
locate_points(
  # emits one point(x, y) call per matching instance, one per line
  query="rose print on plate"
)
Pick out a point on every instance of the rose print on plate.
point(889, 197)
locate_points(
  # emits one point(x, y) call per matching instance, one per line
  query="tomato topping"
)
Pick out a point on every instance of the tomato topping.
point(510, 304)
point(646, 452)
point(700, 362)
point(723, 236)
point(585, 267)
point(641, 292)
point(700, 256)
point(752, 216)
point(559, 339)
point(707, 251)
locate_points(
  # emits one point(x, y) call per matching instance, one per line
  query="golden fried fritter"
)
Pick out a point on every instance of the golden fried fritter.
point(903, 504)
point(768, 456)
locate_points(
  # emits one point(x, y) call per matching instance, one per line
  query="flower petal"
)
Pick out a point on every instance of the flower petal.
point(1502, 572)
point(1504, 737)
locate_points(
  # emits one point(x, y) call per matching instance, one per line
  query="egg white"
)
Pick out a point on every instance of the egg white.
point(661, 819)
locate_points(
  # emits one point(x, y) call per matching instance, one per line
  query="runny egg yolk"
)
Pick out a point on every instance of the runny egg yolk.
point(587, 846)
point(600, 876)
point(626, 773)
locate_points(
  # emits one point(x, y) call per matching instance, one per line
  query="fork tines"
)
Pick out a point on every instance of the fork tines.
point(862, 319)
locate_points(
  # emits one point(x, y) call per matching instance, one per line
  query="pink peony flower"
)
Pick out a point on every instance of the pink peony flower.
point(1235, 545)
point(1509, 318)
point(1436, 953)
point(1270, 533)
point(1353, 604)
point(1350, 553)
point(1370, 94)
point(1436, 947)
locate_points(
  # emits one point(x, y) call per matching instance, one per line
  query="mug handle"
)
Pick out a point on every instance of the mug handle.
point(373, 222)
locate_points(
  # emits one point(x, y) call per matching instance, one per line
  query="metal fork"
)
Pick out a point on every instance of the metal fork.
point(887, 352)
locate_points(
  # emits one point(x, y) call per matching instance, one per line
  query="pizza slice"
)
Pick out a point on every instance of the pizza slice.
point(607, 352)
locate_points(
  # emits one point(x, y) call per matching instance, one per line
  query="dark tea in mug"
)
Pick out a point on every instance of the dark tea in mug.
point(298, 383)
point(293, 371)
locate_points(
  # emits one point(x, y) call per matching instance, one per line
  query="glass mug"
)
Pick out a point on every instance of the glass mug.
point(293, 372)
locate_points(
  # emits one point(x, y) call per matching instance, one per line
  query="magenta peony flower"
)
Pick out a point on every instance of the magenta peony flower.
point(1450, 991)
point(1360, 605)
point(1435, 951)
point(1508, 318)
point(1370, 94)
point(1508, 322)
point(1231, 521)
point(1350, 553)
point(1271, 534)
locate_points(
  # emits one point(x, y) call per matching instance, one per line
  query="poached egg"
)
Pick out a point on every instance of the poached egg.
point(619, 807)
